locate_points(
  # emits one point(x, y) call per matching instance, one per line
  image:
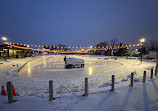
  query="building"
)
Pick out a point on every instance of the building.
point(15, 51)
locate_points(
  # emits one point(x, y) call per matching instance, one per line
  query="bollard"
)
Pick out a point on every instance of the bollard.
point(144, 76)
point(50, 90)
point(152, 73)
point(156, 71)
point(113, 82)
point(131, 79)
point(86, 87)
point(10, 93)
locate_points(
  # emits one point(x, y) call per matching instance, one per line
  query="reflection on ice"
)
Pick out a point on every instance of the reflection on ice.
point(29, 69)
point(44, 62)
point(54, 67)
point(101, 63)
point(90, 71)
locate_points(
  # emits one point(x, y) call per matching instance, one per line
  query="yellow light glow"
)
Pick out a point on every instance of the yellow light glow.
point(44, 61)
point(4, 38)
point(142, 40)
point(29, 69)
point(90, 71)
point(91, 46)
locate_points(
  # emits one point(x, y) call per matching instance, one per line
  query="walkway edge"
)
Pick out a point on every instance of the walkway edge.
point(24, 65)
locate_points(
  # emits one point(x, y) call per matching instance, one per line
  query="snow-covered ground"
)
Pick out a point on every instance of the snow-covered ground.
point(32, 84)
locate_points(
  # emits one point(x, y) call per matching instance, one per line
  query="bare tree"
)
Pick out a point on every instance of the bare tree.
point(114, 42)
point(102, 44)
point(151, 45)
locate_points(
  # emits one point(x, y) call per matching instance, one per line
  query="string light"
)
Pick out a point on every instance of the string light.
point(84, 49)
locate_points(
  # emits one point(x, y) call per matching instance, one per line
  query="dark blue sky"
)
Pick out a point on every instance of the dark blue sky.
point(78, 22)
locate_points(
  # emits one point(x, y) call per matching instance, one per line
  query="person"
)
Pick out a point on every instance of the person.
point(5, 57)
point(65, 59)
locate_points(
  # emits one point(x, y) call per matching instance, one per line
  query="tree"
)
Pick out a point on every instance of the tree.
point(114, 42)
point(151, 45)
point(102, 44)
point(122, 51)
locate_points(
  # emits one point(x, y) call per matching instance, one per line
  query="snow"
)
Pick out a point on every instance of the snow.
point(68, 86)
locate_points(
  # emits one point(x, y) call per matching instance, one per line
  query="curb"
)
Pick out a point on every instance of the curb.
point(24, 65)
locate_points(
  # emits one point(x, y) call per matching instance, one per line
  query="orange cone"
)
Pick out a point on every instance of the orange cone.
point(13, 90)
point(3, 93)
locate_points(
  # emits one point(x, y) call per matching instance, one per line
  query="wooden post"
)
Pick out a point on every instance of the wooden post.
point(156, 71)
point(112, 83)
point(152, 73)
point(131, 79)
point(144, 76)
point(50, 90)
point(86, 87)
point(10, 93)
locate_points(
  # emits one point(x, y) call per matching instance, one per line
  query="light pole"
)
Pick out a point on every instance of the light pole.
point(90, 50)
point(142, 40)
point(4, 39)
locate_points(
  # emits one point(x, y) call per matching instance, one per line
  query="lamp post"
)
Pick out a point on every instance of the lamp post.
point(142, 40)
point(90, 50)
point(4, 39)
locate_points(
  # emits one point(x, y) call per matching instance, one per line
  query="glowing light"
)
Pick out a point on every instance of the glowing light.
point(91, 47)
point(4, 38)
point(142, 40)
point(29, 69)
point(90, 71)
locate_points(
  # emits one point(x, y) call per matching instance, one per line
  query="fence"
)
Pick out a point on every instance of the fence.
point(51, 90)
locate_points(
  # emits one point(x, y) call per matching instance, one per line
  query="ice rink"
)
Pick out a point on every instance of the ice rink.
point(53, 67)
point(34, 75)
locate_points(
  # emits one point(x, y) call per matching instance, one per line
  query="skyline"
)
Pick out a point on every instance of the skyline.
point(78, 23)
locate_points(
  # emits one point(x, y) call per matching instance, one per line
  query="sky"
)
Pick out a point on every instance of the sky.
point(78, 22)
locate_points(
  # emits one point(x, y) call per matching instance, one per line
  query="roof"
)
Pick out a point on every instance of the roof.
point(17, 46)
